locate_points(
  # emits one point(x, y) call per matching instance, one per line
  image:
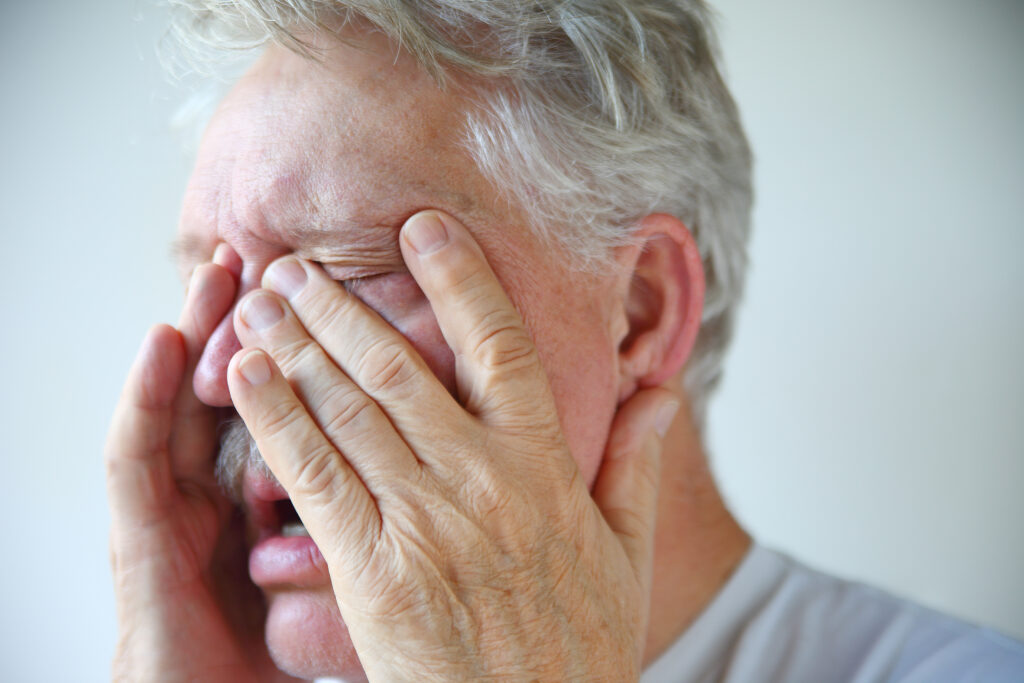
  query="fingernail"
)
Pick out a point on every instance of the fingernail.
point(261, 311)
point(664, 418)
point(255, 368)
point(221, 254)
point(425, 233)
point(227, 258)
point(193, 278)
point(287, 277)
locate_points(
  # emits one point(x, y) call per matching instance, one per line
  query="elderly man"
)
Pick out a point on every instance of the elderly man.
point(462, 275)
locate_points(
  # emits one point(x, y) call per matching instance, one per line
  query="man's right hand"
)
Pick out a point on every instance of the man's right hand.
point(186, 609)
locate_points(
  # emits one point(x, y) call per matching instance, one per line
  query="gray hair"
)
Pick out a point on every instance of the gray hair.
point(594, 114)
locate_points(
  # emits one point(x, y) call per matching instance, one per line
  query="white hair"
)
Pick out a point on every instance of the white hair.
point(594, 114)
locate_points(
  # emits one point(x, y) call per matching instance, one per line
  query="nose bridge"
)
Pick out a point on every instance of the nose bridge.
point(210, 381)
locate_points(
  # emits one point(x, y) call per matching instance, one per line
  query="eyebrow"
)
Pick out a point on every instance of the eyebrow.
point(355, 258)
point(319, 243)
point(186, 248)
point(187, 251)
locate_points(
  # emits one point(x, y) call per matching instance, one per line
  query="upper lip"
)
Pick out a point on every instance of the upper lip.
point(261, 494)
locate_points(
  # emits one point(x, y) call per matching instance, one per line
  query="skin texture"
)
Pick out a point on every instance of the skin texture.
point(472, 446)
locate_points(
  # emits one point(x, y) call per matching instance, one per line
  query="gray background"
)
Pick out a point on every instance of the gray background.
point(872, 420)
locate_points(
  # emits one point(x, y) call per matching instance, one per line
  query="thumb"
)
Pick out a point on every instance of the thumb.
point(626, 490)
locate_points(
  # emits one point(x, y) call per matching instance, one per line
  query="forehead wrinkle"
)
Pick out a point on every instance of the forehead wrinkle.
point(353, 232)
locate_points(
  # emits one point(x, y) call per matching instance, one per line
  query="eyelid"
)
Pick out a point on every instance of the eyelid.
point(350, 282)
point(345, 273)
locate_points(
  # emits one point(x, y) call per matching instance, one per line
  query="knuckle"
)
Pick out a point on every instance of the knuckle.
point(316, 476)
point(493, 500)
point(629, 522)
point(499, 341)
point(327, 309)
point(385, 366)
point(294, 354)
point(352, 413)
point(281, 418)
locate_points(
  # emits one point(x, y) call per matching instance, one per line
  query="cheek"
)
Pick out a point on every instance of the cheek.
point(578, 358)
point(570, 321)
point(423, 333)
point(584, 386)
point(398, 300)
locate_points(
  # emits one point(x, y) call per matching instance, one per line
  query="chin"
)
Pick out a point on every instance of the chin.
point(307, 638)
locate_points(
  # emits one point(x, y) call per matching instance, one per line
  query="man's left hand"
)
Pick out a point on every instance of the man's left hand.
point(461, 539)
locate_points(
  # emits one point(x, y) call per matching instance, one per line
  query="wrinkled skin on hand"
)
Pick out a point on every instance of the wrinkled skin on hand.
point(461, 540)
point(185, 606)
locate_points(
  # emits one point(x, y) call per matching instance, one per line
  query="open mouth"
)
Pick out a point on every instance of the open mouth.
point(282, 554)
point(245, 477)
point(269, 509)
point(289, 521)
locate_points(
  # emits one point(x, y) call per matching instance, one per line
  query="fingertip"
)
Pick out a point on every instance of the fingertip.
point(208, 298)
point(665, 414)
point(425, 232)
point(656, 407)
point(226, 257)
point(211, 294)
point(649, 411)
point(162, 341)
point(158, 367)
point(212, 277)
point(426, 242)
point(161, 334)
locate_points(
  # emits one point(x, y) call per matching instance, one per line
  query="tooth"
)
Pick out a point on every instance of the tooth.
point(290, 529)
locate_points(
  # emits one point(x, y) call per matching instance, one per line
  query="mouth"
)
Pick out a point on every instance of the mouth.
point(291, 525)
point(282, 554)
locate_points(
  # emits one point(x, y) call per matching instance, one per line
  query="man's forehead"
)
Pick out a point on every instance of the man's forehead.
point(307, 157)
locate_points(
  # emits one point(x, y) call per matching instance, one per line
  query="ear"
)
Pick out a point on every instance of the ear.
point(663, 303)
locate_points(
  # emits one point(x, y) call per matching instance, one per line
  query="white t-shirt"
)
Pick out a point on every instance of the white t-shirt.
point(776, 620)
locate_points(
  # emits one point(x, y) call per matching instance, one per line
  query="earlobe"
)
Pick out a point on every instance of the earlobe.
point(663, 305)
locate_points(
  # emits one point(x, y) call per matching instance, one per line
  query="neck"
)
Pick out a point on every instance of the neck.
point(698, 544)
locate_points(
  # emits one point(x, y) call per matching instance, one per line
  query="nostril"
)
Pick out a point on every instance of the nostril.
point(210, 381)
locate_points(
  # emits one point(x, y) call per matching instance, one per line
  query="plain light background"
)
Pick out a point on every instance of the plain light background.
point(872, 419)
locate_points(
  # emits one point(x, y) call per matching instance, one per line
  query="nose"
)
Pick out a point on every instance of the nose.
point(210, 381)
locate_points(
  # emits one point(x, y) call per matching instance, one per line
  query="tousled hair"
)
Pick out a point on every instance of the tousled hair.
point(593, 114)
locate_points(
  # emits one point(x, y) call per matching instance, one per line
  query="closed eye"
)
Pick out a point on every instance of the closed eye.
point(345, 273)
point(390, 294)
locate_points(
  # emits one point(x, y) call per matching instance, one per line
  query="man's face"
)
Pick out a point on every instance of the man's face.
point(327, 160)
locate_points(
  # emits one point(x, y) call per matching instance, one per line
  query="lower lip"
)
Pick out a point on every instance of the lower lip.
point(292, 560)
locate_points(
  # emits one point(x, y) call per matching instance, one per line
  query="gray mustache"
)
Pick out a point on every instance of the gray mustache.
point(238, 452)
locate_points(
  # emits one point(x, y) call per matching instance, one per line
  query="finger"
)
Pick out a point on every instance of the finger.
point(227, 258)
point(498, 372)
point(211, 292)
point(352, 421)
point(371, 352)
point(626, 490)
point(331, 501)
point(139, 479)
